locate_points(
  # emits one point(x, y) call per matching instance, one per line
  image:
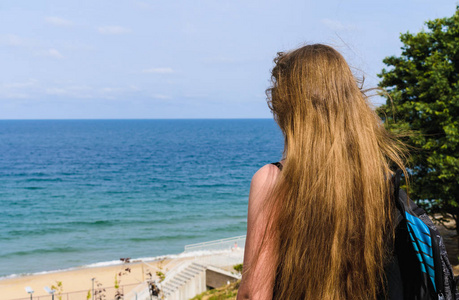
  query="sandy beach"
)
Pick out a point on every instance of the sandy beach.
point(77, 282)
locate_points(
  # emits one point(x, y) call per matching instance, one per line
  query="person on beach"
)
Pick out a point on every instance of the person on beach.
point(320, 223)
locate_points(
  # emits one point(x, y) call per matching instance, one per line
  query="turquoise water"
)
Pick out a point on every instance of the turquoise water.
point(77, 192)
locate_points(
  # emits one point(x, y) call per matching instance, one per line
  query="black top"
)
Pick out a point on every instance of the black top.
point(277, 164)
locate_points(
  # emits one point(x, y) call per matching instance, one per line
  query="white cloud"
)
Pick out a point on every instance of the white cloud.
point(109, 90)
point(53, 53)
point(56, 21)
point(56, 91)
point(19, 85)
point(189, 29)
point(219, 59)
point(14, 95)
point(336, 25)
point(196, 95)
point(159, 70)
point(32, 88)
point(143, 5)
point(113, 30)
point(86, 92)
point(160, 96)
point(18, 90)
point(71, 91)
point(13, 40)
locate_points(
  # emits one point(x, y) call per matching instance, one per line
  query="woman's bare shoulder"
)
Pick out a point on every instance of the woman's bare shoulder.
point(265, 175)
point(259, 282)
point(262, 181)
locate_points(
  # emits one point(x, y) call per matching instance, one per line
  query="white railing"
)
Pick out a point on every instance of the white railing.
point(237, 242)
point(177, 269)
point(232, 253)
point(140, 292)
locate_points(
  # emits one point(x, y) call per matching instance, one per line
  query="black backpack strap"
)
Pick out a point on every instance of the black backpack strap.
point(397, 178)
point(277, 164)
point(398, 202)
point(402, 202)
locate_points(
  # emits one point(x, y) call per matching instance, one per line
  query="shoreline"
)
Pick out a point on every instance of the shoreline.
point(115, 263)
point(88, 266)
point(77, 281)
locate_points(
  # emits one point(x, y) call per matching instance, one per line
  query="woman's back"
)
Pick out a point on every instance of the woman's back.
point(323, 226)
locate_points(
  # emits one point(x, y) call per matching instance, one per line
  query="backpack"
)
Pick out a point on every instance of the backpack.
point(420, 268)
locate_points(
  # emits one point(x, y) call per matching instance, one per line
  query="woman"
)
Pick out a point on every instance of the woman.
point(321, 228)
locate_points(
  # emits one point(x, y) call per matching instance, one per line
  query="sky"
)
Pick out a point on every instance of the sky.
point(151, 59)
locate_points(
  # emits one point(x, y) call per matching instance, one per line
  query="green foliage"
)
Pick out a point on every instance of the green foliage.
point(238, 268)
point(423, 83)
point(88, 296)
point(161, 276)
point(59, 288)
point(228, 292)
point(117, 283)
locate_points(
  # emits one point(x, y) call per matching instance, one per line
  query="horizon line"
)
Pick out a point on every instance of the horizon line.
point(131, 119)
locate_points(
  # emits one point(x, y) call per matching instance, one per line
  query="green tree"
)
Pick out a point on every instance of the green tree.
point(423, 83)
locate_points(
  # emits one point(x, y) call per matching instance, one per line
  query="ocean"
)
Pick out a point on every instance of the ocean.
point(81, 192)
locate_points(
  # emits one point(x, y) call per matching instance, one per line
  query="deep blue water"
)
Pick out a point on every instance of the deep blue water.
point(75, 192)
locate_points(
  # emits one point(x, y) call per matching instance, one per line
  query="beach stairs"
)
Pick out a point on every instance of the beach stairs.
point(187, 276)
point(182, 282)
point(185, 282)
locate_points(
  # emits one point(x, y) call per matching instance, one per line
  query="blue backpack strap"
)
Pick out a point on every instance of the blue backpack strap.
point(427, 244)
point(418, 235)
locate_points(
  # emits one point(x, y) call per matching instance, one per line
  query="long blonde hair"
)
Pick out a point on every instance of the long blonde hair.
point(331, 205)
